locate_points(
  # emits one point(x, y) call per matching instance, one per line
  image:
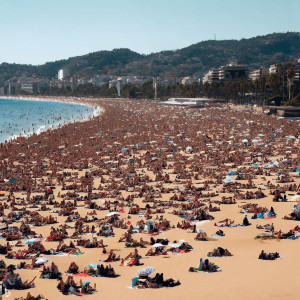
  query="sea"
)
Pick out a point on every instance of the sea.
point(25, 117)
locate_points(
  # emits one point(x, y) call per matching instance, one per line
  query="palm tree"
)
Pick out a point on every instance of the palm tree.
point(290, 76)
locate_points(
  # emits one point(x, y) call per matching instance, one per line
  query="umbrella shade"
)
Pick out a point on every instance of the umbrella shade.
point(156, 245)
point(146, 271)
point(41, 260)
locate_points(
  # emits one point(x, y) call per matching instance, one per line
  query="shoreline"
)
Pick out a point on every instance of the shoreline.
point(97, 111)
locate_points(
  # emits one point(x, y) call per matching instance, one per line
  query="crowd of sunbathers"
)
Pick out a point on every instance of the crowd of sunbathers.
point(147, 182)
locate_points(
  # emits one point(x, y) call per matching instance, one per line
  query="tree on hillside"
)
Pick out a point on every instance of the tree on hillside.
point(290, 77)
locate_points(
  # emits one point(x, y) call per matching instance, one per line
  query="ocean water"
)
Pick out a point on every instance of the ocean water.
point(23, 117)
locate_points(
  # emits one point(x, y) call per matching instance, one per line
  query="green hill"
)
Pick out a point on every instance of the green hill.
point(194, 60)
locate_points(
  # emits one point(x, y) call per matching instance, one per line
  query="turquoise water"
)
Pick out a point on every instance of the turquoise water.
point(23, 117)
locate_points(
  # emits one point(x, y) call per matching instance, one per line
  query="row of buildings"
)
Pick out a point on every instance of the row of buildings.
point(32, 85)
point(234, 71)
point(242, 72)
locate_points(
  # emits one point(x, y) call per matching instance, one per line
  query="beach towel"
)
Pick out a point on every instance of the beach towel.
point(134, 280)
point(81, 275)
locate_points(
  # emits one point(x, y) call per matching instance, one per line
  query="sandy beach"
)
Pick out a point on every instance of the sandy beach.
point(183, 169)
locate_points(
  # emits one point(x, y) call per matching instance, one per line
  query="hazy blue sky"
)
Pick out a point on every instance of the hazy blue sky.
point(36, 31)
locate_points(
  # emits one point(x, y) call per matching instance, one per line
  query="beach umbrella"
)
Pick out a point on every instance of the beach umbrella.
point(278, 130)
point(255, 141)
point(112, 213)
point(146, 271)
point(41, 260)
point(290, 137)
point(156, 245)
point(245, 141)
point(189, 149)
point(124, 150)
point(13, 180)
point(296, 198)
point(261, 135)
point(227, 179)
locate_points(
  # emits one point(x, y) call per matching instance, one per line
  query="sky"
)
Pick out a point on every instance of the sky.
point(38, 31)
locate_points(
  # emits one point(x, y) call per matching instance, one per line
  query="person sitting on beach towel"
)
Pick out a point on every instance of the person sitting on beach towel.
point(205, 266)
point(73, 268)
point(71, 288)
point(157, 251)
point(100, 271)
point(270, 256)
point(246, 221)
point(5, 249)
point(219, 252)
point(201, 236)
point(51, 272)
point(132, 259)
point(112, 257)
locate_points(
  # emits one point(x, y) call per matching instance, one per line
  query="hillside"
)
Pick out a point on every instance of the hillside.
point(194, 60)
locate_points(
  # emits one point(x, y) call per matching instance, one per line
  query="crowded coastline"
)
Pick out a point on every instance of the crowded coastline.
point(145, 189)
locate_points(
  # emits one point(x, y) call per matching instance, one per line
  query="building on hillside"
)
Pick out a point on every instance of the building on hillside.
point(236, 72)
point(259, 73)
point(13, 88)
point(27, 87)
point(297, 71)
point(62, 74)
point(276, 69)
point(227, 73)
point(118, 84)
